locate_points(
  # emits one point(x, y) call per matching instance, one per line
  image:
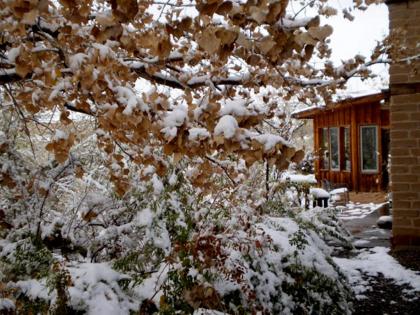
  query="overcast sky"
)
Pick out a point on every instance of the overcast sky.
point(355, 37)
point(349, 37)
point(359, 37)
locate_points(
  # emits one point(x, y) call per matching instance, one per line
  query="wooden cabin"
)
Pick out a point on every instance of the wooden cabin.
point(351, 142)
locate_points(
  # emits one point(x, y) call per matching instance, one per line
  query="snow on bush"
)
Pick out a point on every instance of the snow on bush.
point(165, 246)
point(174, 252)
point(6, 305)
point(327, 225)
point(269, 264)
point(95, 288)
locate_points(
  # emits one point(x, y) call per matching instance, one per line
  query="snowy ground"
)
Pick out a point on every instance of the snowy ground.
point(374, 262)
point(380, 283)
point(358, 211)
point(360, 220)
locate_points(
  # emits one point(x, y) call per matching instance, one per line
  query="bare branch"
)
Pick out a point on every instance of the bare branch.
point(222, 167)
point(78, 110)
point(8, 76)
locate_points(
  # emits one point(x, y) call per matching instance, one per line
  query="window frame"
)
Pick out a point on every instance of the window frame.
point(338, 149)
point(343, 129)
point(369, 171)
point(323, 149)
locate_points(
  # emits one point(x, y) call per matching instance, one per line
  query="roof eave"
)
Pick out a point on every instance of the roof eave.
point(397, 1)
point(349, 102)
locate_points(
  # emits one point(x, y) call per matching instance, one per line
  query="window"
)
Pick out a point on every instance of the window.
point(347, 156)
point(369, 146)
point(325, 156)
point(334, 149)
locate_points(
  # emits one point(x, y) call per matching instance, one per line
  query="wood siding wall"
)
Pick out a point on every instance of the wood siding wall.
point(352, 117)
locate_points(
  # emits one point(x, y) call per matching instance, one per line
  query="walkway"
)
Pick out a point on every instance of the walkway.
point(381, 283)
point(360, 220)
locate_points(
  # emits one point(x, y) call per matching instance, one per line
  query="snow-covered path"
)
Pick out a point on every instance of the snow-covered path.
point(360, 220)
point(374, 262)
point(380, 283)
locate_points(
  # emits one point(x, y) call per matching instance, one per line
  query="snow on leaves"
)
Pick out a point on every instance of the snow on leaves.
point(61, 144)
point(88, 57)
point(226, 127)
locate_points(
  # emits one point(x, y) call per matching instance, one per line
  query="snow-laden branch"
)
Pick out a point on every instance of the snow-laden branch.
point(10, 76)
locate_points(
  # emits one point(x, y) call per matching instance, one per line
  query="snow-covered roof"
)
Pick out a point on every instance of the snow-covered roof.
point(352, 100)
point(303, 110)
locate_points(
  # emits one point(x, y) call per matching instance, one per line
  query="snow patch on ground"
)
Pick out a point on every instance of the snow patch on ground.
point(150, 288)
point(157, 185)
point(361, 242)
point(76, 60)
point(13, 53)
point(197, 134)
point(374, 262)
point(202, 311)
point(339, 191)
point(359, 211)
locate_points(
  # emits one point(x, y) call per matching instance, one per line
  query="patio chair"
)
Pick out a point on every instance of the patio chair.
point(320, 197)
point(339, 192)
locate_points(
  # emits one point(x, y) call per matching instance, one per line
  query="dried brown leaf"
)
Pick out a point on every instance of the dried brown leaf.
point(208, 41)
point(321, 32)
point(29, 18)
point(124, 10)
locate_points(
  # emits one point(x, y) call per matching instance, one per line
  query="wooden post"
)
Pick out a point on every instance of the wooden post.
point(354, 134)
point(317, 150)
point(380, 155)
point(341, 149)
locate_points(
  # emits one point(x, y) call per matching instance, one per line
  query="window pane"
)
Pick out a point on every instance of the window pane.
point(347, 156)
point(325, 157)
point(369, 148)
point(334, 148)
